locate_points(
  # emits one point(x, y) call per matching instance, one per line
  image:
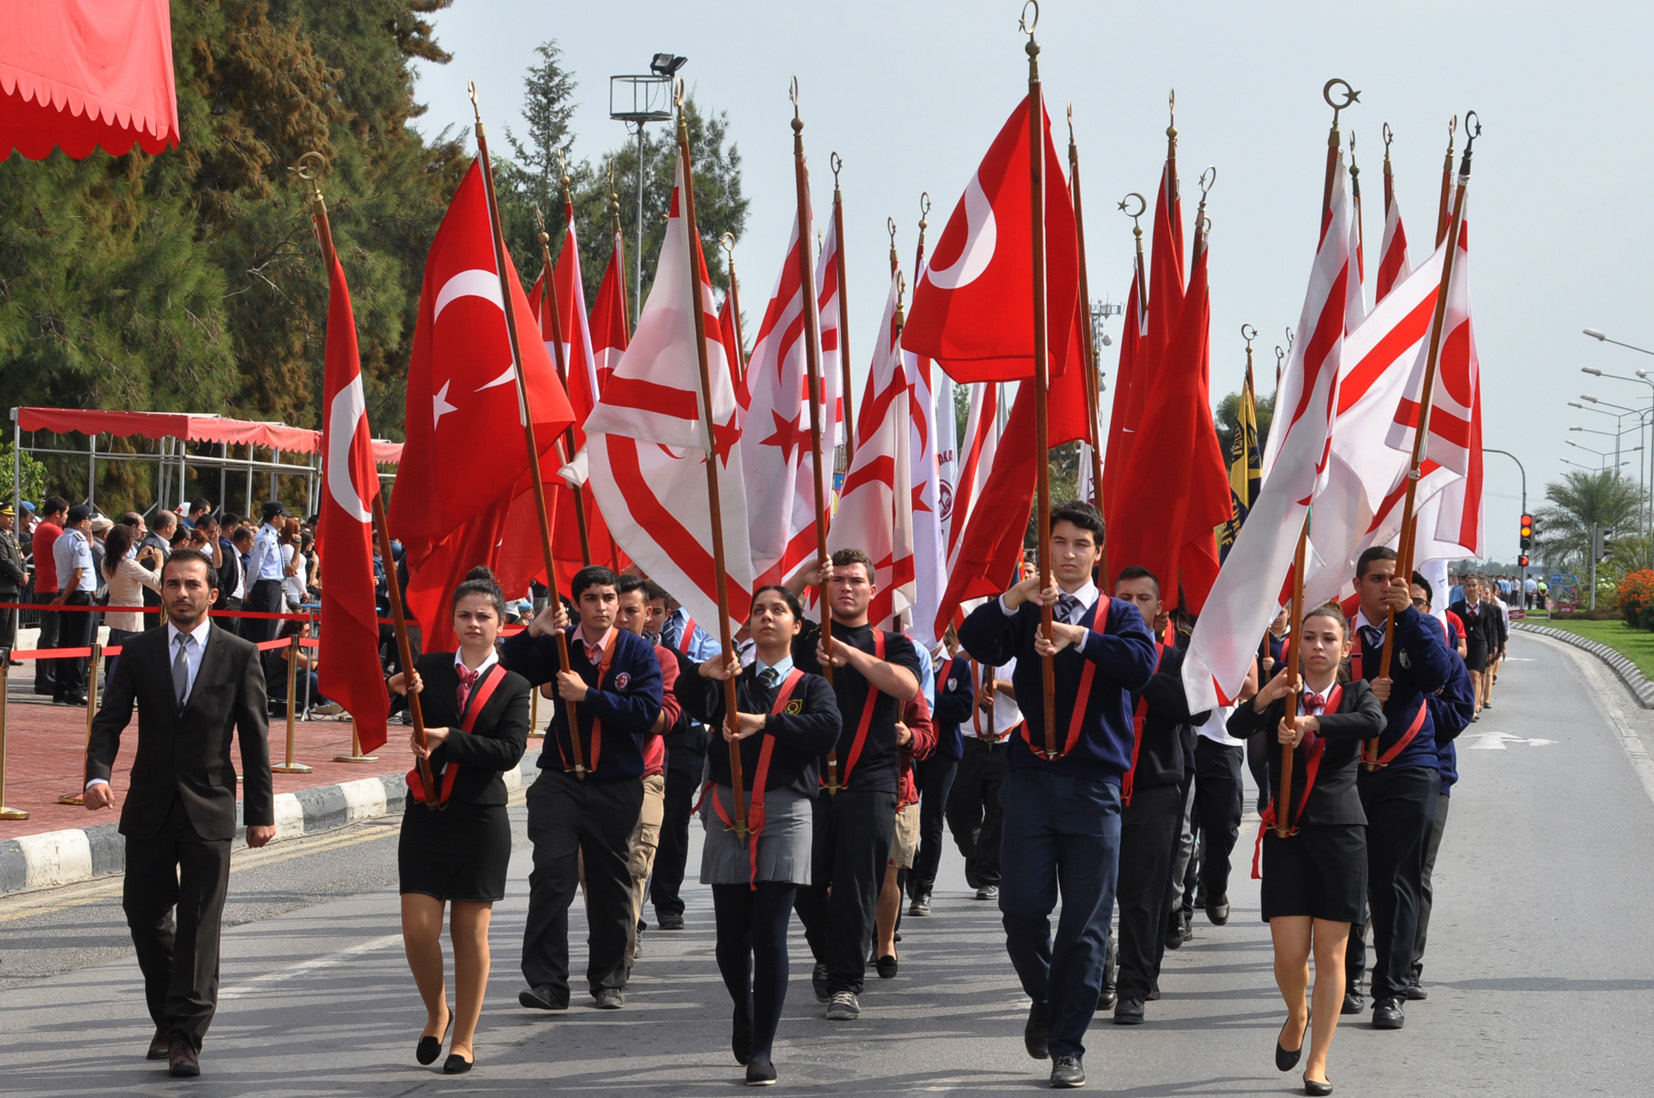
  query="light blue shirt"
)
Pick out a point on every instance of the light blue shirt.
point(782, 668)
point(72, 550)
point(264, 562)
point(701, 646)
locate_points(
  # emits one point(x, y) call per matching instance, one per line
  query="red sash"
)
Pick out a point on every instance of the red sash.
point(1138, 717)
point(1406, 737)
point(688, 632)
point(480, 694)
point(755, 804)
point(1312, 767)
point(1082, 699)
point(861, 728)
point(597, 725)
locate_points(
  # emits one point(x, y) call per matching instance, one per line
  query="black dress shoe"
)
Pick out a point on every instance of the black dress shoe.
point(1107, 999)
point(429, 1048)
point(456, 1064)
point(1128, 1012)
point(740, 1038)
point(1174, 932)
point(158, 1045)
point(1354, 1003)
point(1036, 1033)
point(887, 967)
point(1066, 1073)
point(668, 922)
point(183, 1059)
point(1286, 1059)
point(1314, 1088)
point(1154, 992)
point(1218, 911)
point(1387, 1014)
point(543, 997)
point(1416, 992)
point(760, 1073)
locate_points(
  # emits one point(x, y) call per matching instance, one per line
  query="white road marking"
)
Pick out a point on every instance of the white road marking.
point(1496, 741)
point(262, 983)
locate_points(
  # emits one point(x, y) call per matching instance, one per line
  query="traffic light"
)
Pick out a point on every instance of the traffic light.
point(1605, 544)
point(1522, 561)
point(1527, 532)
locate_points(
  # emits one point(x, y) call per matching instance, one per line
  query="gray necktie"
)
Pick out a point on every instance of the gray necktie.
point(1066, 606)
point(181, 669)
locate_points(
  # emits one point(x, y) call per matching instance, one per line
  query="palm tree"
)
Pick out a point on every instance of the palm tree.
point(1576, 503)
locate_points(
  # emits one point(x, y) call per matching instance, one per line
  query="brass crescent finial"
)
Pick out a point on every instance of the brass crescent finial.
point(792, 94)
point(890, 223)
point(476, 108)
point(1389, 136)
point(1452, 128)
point(540, 222)
point(677, 93)
point(310, 168)
point(727, 242)
point(1289, 339)
point(901, 279)
point(1070, 121)
point(1248, 333)
point(1280, 357)
point(1472, 128)
point(1207, 178)
point(836, 162)
point(1023, 24)
point(1142, 206)
point(1350, 96)
point(1171, 103)
point(924, 209)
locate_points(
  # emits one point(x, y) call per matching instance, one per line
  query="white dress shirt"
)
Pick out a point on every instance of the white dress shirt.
point(193, 657)
point(1087, 596)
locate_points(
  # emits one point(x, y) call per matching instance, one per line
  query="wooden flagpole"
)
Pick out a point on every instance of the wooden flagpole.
point(535, 480)
point(1093, 388)
point(1283, 803)
point(1042, 435)
point(845, 396)
point(309, 165)
point(1421, 432)
point(550, 303)
point(697, 310)
point(727, 242)
point(812, 360)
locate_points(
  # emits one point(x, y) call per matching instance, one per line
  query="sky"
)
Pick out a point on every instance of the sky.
point(910, 95)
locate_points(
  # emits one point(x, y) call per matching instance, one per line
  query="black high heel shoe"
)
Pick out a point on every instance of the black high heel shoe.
point(430, 1048)
point(1286, 1060)
point(1317, 1089)
point(459, 1065)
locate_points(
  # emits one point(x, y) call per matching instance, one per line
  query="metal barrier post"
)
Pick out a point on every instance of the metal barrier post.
point(355, 755)
point(5, 813)
point(291, 767)
point(92, 669)
point(534, 715)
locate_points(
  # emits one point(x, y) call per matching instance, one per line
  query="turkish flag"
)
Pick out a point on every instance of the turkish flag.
point(465, 464)
point(348, 657)
point(609, 332)
point(973, 305)
point(1175, 488)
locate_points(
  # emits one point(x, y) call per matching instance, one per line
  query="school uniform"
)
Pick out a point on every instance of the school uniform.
point(973, 812)
point(1399, 796)
point(590, 819)
point(1451, 709)
point(955, 701)
point(853, 827)
point(1321, 869)
point(1062, 815)
point(1151, 815)
point(1482, 623)
point(686, 744)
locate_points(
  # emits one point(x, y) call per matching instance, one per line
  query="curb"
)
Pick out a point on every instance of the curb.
point(54, 858)
point(1642, 691)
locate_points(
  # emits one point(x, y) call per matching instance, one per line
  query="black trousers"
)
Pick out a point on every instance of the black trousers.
point(974, 813)
point(1149, 830)
point(263, 598)
point(850, 850)
point(1217, 812)
point(177, 868)
point(684, 768)
point(45, 671)
point(570, 822)
point(1426, 892)
point(74, 631)
point(234, 625)
point(1401, 812)
point(935, 777)
point(8, 621)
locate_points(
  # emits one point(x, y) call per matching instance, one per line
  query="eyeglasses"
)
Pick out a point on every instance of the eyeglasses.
point(1420, 603)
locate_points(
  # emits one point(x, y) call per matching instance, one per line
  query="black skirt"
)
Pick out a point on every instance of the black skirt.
point(1320, 872)
point(459, 853)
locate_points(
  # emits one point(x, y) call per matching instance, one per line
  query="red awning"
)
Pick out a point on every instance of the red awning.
point(80, 74)
point(189, 427)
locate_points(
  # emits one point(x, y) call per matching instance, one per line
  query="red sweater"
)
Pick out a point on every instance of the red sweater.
point(916, 715)
point(654, 747)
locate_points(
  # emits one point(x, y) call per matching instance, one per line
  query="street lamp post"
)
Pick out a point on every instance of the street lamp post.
point(1523, 594)
point(1645, 508)
point(638, 99)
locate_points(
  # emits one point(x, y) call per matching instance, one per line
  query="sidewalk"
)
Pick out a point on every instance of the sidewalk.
point(59, 844)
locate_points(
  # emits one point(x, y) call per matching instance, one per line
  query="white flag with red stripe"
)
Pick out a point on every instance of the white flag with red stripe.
point(647, 447)
point(929, 544)
point(829, 307)
point(1248, 588)
point(775, 439)
point(1392, 252)
point(875, 509)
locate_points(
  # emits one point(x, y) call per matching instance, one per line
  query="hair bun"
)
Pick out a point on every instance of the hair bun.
point(481, 574)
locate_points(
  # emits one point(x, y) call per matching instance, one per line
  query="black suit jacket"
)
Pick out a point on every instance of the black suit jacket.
point(186, 753)
point(498, 737)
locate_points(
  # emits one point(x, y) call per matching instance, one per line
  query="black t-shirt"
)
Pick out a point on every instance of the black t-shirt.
point(876, 768)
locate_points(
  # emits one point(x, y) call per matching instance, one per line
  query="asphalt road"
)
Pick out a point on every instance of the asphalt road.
point(1540, 968)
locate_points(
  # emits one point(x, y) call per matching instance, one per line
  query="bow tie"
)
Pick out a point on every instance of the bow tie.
point(1314, 703)
point(467, 680)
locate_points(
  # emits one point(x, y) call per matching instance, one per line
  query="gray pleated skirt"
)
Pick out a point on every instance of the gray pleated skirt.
point(783, 846)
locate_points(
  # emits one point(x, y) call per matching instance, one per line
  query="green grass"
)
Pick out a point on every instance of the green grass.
point(1637, 645)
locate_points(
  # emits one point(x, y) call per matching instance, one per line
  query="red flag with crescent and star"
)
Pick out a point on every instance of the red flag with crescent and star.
point(463, 486)
point(348, 656)
point(973, 307)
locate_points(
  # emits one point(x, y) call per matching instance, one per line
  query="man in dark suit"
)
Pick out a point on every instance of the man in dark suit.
point(194, 684)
